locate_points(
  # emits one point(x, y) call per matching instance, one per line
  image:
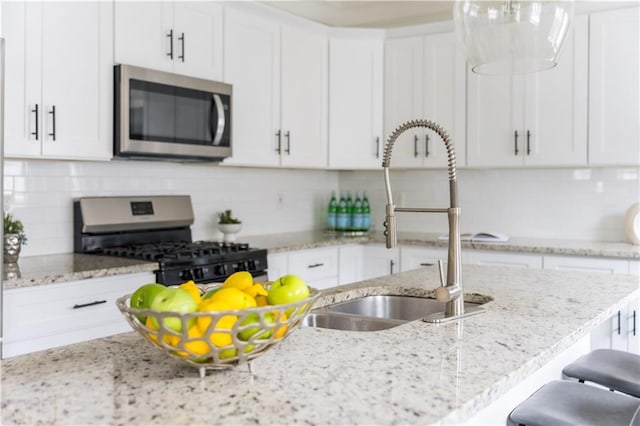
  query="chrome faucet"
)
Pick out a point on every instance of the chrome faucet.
point(450, 290)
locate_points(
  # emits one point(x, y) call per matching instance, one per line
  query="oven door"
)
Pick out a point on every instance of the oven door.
point(171, 116)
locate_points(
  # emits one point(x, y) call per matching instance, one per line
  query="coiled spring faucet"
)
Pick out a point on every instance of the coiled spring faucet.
point(450, 290)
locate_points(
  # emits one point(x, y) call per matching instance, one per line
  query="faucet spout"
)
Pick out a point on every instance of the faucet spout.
point(451, 291)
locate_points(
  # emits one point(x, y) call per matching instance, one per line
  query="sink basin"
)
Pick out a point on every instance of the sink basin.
point(373, 313)
point(348, 322)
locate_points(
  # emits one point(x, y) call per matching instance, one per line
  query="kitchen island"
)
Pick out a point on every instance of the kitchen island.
point(416, 373)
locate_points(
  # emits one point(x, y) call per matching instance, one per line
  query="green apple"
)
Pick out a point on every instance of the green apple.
point(143, 297)
point(258, 330)
point(174, 299)
point(287, 289)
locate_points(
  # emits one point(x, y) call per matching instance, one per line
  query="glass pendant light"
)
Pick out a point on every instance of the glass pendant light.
point(511, 36)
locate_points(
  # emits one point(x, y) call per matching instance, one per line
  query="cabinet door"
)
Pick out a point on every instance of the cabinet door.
point(355, 104)
point(444, 98)
point(303, 104)
point(315, 264)
point(76, 79)
point(588, 264)
point(198, 39)
point(142, 34)
point(278, 265)
point(614, 110)
point(555, 131)
point(380, 261)
point(350, 264)
point(415, 258)
point(403, 97)
point(515, 260)
point(494, 115)
point(252, 66)
point(22, 30)
point(633, 326)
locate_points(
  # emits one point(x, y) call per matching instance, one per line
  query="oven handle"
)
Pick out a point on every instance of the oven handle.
point(221, 119)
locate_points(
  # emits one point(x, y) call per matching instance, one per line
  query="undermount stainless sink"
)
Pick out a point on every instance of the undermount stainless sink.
point(373, 313)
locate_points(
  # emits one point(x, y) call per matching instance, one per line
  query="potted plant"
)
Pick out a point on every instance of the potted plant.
point(14, 238)
point(228, 225)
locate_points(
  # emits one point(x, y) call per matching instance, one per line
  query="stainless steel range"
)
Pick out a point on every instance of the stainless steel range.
point(157, 228)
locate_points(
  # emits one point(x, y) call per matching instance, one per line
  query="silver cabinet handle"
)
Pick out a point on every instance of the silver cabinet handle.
point(315, 265)
point(426, 146)
point(426, 264)
point(170, 35)
point(391, 265)
point(619, 322)
point(221, 119)
point(634, 322)
point(515, 141)
point(85, 305)
point(378, 147)
point(36, 133)
point(279, 146)
point(528, 142)
point(181, 38)
point(415, 146)
point(53, 122)
point(287, 150)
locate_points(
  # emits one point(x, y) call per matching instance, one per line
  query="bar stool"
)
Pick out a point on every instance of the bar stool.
point(616, 370)
point(563, 402)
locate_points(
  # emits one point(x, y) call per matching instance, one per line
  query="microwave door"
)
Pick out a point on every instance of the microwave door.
point(221, 122)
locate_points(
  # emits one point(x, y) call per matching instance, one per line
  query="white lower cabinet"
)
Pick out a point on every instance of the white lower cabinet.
point(350, 263)
point(380, 261)
point(42, 317)
point(513, 260)
point(621, 330)
point(421, 257)
point(318, 267)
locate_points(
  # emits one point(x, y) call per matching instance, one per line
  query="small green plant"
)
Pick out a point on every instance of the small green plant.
point(14, 226)
point(226, 218)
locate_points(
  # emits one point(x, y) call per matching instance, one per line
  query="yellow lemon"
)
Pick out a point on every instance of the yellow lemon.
point(193, 290)
point(233, 299)
point(167, 338)
point(240, 280)
point(223, 325)
point(280, 331)
point(256, 290)
point(261, 300)
point(195, 343)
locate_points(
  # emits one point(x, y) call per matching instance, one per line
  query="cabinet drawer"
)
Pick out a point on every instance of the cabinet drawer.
point(314, 265)
point(67, 307)
point(587, 264)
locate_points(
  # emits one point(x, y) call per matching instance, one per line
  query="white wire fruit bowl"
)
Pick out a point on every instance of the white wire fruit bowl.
point(228, 338)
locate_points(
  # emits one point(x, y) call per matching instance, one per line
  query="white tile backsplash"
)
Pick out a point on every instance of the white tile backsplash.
point(584, 204)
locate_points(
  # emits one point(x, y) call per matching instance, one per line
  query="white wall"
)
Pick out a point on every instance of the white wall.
point(40, 193)
point(580, 204)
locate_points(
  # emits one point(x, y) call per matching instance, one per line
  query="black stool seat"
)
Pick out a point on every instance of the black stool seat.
point(617, 370)
point(563, 402)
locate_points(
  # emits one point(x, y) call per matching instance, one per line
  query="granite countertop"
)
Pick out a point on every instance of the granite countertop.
point(40, 270)
point(416, 373)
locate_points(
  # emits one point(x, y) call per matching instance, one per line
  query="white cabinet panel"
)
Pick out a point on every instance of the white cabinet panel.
point(314, 264)
point(59, 65)
point(515, 260)
point(181, 37)
point(355, 103)
point(380, 261)
point(614, 106)
point(41, 317)
point(277, 265)
point(350, 264)
point(536, 119)
point(588, 264)
point(421, 257)
point(425, 79)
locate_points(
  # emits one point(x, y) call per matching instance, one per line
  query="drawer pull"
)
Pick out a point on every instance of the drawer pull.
point(426, 264)
point(315, 265)
point(84, 305)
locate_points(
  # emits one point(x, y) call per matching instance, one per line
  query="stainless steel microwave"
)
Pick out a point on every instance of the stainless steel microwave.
point(168, 116)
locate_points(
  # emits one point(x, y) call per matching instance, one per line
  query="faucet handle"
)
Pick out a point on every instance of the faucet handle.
point(441, 270)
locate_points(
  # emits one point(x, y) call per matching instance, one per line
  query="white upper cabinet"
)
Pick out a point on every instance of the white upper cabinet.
point(58, 73)
point(355, 103)
point(614, 111)
point(534, 119)
point(279, 78)
point(425, 79)
point(180, 37)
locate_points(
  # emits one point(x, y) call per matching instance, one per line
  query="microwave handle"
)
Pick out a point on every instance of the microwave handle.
point(221, 119)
